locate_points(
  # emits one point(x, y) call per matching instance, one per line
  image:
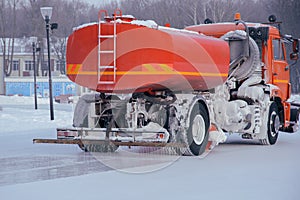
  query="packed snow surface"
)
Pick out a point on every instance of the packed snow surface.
point(238, 169)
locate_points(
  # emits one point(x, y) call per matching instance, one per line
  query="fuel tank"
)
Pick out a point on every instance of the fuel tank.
point(125, 56)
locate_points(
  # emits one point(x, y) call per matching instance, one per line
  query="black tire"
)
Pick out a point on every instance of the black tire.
point(197, 141)
point(295, 114)
point(294, 117)
point(273, 125)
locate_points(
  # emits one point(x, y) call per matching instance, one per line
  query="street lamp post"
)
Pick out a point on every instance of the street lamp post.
point(47, 13)
point(34, 50)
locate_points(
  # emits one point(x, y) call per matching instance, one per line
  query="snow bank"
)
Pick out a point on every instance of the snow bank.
point(18, 114)
point(294, 99)
point(21, 100)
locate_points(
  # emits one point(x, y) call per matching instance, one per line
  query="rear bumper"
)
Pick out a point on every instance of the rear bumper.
point(155, 134)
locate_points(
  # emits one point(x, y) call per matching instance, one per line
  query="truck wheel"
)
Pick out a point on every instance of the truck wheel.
point(197, 134)
point(273, 125)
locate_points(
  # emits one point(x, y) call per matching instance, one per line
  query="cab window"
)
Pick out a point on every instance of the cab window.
point(278, 50)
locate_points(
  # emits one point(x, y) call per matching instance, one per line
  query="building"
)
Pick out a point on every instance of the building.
point(22, 63)
point(19, 81)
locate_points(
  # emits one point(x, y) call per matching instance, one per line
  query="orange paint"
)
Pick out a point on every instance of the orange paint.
point(147, 59)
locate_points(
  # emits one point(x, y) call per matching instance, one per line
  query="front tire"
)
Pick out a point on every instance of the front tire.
point(197, 134)
point(273, 125)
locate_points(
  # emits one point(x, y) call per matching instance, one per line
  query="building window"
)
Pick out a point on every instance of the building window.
point(28, 65)
point(16, 65)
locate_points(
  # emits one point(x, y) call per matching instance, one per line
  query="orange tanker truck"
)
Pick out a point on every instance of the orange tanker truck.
point(181, 88)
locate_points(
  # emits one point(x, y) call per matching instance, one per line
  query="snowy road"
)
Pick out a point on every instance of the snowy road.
point(23, 162)
point(235, 170)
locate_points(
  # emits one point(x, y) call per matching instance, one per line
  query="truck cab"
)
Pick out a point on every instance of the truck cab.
point(273, 57)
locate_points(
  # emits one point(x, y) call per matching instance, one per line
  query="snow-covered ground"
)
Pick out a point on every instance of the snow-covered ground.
point(238, 169)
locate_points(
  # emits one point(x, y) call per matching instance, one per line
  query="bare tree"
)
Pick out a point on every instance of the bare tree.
point(192, 11)
point(14, 24)
point(34, 27)
point(68, 15)
point(219, 10)
point(8, 33)
point(59, 47)
point(2, 44)
point(287, 12)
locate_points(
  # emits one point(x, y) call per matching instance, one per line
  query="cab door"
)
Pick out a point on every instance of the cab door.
point(281, 74)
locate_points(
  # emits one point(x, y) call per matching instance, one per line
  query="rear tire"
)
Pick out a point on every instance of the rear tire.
point(197, 134)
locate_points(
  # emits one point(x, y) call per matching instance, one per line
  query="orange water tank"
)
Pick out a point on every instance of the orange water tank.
point(123, 56)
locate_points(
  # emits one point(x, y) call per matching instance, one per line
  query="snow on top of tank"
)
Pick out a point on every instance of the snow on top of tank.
point(84, 25)
point(163, 28)
point(154, 25)
point(128, 16)
point(147, 23)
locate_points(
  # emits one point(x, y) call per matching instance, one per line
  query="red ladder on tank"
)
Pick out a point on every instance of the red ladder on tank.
point(107, 73)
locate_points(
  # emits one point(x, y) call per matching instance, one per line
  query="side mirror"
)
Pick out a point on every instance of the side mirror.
point(294, 56)
point(296, 45)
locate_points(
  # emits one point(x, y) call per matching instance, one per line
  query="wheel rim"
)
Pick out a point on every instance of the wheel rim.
point(198, 129)
point(275, 124)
